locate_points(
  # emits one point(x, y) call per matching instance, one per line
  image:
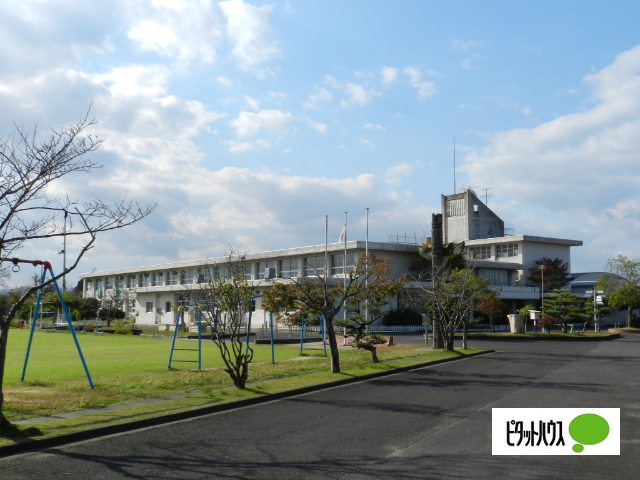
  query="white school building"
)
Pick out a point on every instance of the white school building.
point(500, 257)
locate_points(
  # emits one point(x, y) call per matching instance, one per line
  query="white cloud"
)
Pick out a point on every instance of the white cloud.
point(242, 147)
point(252, 103)
point(358, 96)
point(458, 44)
point(185, 31)
point(342, 147)
point(286, 151)
point(224, 81)
point(425, 89)
point(371, 126)
point(321, 95)
point(248, 123)
point(583, 164)
point(318, 127)
point(367, 142)
point(393, 175)
point(331, 82)
point(389, 75)
point(525, 110)
point(248, 30)
point(277, 95)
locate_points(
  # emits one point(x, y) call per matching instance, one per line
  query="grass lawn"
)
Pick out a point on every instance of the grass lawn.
point(126, 368)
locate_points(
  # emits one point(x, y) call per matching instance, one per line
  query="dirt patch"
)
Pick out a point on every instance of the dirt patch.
point(38, 390)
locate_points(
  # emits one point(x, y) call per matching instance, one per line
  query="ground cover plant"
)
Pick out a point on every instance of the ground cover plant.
point(126, 368)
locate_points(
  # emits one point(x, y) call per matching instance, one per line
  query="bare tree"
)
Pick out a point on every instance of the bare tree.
point(28, 166)
point(223, 301)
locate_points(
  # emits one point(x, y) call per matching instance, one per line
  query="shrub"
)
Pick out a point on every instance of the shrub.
point(403, 316)
point(123, 331)
point(89, 327)
point(547, 322)
point(113, 313)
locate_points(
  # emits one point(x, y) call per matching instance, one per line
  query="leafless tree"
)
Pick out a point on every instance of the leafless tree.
point(28, 166)
point(223, 301)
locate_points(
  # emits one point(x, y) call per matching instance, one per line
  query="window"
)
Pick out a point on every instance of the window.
point(204, 275)
point(186, 277)
point(480, 253)
point(314, 266)
point(131, 281)
point(158, 279)
point(508, 250)
point(98, 288)
point(144, 279)
point(132, 307)
point(109, 283)
point(495, 276)
point(262, 266)
point(149, 307)
point(119, 281)
point(172, 277)
point(289, 268)
point(89, 284)
point(248, 271)
point(167, 307)
point(337, 263)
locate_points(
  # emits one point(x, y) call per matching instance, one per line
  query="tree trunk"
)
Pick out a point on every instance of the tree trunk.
point(374, 355)
point(628, 317)
point(464, 336)
point(493, 327)
point(333, 346)
point(438, 339)
point(4, 334)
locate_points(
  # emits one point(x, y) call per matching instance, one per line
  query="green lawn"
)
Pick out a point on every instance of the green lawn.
point(127, 367)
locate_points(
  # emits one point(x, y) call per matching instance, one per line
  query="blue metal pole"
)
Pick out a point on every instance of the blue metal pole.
point(246, 350)
point(324, 345)
point(33, 326)
point(73, 332)
point(173, 342)
point(301, 333)
point(199, 340)
point(271, 324)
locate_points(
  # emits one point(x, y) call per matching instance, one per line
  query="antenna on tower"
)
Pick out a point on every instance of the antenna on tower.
point(454, 165)
point(487, 195)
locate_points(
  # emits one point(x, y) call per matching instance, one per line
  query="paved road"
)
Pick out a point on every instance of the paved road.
point(429, 423)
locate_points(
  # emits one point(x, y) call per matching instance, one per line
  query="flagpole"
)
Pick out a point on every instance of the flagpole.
point(366, 252)
point(344, 266)
point(326, 240)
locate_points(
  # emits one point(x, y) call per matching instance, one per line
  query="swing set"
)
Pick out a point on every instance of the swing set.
point(46, 267)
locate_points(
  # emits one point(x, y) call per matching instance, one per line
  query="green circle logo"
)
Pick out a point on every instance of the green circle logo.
point(588, 429)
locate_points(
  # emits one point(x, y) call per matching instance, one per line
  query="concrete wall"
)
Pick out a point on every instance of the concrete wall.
point(466, 217)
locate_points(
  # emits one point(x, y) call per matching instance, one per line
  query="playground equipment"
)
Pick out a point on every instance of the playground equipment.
point(173, 342)
point(46, 267)
point(196, 307)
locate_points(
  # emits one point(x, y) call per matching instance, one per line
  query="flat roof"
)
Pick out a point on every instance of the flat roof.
point(286, 252)
point(524, 238)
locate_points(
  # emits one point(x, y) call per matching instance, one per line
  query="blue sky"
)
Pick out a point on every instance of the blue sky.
point(250, 121)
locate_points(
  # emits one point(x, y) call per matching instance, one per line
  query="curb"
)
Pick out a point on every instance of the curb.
point(67, 438)
point(479, 336)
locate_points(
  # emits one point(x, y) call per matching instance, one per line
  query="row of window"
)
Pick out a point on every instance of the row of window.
point(289, 268)
point(502, 251)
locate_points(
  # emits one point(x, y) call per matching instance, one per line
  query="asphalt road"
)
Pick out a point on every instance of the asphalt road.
point(429, 423)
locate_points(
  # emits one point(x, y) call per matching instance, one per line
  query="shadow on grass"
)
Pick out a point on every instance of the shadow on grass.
point(17, 434)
